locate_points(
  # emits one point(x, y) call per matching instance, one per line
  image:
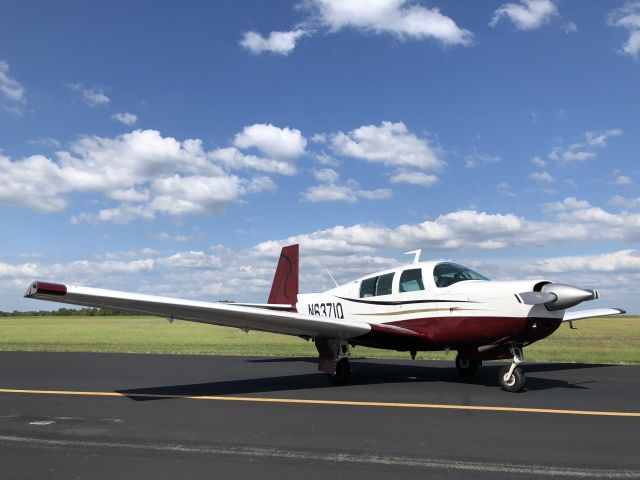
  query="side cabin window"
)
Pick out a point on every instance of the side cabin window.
point(376, 285)
point(411, 280)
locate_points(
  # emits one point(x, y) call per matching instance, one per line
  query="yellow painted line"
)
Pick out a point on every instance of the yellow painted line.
point(325, 402)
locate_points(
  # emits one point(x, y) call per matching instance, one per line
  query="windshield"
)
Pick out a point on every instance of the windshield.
point(445, 274)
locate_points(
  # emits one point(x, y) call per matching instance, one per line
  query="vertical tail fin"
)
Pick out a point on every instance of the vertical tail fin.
point(284, 289)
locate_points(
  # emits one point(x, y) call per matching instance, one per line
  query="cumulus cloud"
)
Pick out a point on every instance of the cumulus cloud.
point(414, 178)
point(469, 229)
point(10, 88)
point(542, 177)
point(125, 118)
point(401, 18)
point(275, 142)
point(620, 261)
point(585, 149)
point(391, 144)
point(92, 96)
point(326, 175)
point(630, 203)
point(527, 14)
point(350, 193)
point(281, 43)
point(628, 18)
point(145, 171)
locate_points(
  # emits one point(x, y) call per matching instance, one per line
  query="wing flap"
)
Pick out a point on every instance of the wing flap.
point(239, 316)
point(598, 312)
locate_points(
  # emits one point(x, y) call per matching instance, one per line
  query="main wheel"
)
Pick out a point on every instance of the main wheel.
point(515, 382)
point(467, 367)
point(343, 372)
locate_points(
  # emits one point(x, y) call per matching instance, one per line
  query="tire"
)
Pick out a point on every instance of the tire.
point(515, 383)
point(343, 372)
point(467, 367)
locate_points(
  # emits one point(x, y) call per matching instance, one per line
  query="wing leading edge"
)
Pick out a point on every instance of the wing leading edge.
point(240, 316)
point(597, 312)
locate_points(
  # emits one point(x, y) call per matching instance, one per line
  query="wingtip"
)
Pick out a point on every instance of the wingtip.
point(45, 288)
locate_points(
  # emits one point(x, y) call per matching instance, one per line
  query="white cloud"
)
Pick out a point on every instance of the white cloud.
point(389, 143)
point(126, 118)
point(568, 204)
point(326, 175)
point(130, 195)
point(350, 193)
point(620, 261)
point(476, 159)
point(569, 27)
point(10, 87)
point(584, 150)
point(281, 43)
point(538, 162)
point(469, 229)
point(526, 15)
point(275, 142)
point(93, 96)
point(161, 174)
point(628, 17)
point(505, 189)
point(542, 177)
point(630, 203)
point(398, 17)
point(622, 180)
point(414, 178)
point(177, 195)
point(235, 159)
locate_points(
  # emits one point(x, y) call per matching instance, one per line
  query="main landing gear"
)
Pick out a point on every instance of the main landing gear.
point(343, 372)
point(467, 367)
point(511, 377)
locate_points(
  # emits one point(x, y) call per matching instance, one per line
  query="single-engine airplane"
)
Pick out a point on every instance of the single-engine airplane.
point(423, 306)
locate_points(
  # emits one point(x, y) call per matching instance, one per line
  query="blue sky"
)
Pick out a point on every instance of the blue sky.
point(173, 149)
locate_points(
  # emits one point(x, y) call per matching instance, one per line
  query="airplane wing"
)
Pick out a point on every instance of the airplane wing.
point(598, 312)
point(217, 313)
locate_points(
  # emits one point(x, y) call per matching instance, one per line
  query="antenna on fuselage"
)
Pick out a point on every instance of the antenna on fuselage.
point(334, 280)
point(417, 253)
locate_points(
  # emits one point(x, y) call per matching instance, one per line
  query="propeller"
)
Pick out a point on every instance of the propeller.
point(557, 296)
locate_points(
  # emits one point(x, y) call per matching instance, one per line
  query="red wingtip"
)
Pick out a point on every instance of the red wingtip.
point(45, 288)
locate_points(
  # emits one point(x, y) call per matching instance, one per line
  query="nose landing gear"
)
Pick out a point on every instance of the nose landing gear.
point(511, 377)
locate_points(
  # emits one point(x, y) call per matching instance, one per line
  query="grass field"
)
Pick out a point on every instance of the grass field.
point(604, 340)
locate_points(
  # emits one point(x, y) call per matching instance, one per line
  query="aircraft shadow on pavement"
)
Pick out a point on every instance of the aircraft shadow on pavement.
point(363, 374)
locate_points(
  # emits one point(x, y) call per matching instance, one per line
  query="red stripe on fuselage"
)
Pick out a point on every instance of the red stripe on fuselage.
point(457, 332)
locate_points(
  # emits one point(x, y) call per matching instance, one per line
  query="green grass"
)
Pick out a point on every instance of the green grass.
point(605, 340)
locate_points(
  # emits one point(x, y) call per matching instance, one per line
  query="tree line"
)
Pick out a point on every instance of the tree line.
point(69, 312)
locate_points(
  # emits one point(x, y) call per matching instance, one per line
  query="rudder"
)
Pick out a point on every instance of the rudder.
point(284, 289)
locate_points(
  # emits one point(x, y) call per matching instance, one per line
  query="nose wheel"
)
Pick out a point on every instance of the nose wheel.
point(511, 377)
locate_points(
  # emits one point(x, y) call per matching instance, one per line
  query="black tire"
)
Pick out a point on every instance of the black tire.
point(467, 367)
point(513, 384)
point(343, 372)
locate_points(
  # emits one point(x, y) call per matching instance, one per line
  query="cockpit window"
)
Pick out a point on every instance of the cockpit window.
point(445, 274)
point(411, 280)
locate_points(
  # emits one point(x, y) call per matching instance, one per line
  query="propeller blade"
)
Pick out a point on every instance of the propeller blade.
point(536, 298)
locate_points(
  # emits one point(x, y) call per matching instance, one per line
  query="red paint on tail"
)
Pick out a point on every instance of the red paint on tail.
point(285, 282)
